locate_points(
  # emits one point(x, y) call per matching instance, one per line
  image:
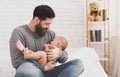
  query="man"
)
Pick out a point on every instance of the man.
point(59, 42)
point(34, 36)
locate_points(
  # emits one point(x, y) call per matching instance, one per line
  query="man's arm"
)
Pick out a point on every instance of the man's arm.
point(16, 56)
point(63, 57)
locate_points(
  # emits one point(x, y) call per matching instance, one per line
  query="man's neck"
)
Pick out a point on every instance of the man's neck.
point(31, 26)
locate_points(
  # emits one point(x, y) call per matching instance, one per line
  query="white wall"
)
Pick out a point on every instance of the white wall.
point(69, 21)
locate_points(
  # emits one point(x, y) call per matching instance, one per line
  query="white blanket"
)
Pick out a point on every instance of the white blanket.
point(90, 60)
point(88, 56)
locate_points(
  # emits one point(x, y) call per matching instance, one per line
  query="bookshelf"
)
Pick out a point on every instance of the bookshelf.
point(98, 30)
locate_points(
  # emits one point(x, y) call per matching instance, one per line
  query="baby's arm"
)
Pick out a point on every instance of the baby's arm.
point(51, 63)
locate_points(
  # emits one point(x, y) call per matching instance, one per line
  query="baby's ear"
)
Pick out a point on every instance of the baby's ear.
point(58, 44)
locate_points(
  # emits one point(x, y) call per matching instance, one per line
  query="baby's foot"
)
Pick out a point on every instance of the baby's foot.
point(20, 45)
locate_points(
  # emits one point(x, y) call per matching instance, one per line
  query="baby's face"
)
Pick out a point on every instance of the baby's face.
point(55, 42)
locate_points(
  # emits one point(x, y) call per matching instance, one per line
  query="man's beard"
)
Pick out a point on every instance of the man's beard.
point(40, 31)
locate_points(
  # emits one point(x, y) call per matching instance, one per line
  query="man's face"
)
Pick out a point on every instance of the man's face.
point(43, 26)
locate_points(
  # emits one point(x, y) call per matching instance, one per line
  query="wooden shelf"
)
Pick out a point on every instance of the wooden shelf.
point(97, 42)
point(97, 22)
point(103, 58)
point(100, 31)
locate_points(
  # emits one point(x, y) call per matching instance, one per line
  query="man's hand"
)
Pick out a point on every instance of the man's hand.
point(52, 52)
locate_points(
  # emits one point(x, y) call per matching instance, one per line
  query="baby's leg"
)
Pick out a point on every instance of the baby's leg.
point(40, 56)
point(19, 45)
point(49, 66)
point(43, 57)
point(29, 54)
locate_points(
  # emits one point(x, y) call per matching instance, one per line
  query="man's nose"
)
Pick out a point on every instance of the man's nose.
point(47, 26)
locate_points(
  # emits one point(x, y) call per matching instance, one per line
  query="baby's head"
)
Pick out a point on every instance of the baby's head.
point(60, 42)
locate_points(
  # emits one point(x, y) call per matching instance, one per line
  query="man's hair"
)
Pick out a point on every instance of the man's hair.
point(43, 12)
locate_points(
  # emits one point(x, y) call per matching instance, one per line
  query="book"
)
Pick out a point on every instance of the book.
point(98, 35)
point(95, 36)
point(91, 36)
point(104, 14)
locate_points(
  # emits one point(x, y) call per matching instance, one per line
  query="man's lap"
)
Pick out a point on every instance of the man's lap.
point(65, 70)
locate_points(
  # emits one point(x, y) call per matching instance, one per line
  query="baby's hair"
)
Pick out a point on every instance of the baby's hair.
point(63, 41)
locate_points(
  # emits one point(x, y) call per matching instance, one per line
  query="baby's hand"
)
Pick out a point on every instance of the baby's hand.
point(20, 45)
point(53, 52)
point(49, 66)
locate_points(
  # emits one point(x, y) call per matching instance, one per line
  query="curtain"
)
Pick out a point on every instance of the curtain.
point(115, 70)
point(116, 66)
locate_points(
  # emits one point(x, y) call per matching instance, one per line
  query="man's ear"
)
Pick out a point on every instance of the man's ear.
point(37, 20)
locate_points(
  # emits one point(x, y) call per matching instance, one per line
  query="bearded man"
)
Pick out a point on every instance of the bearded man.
point(34, 36)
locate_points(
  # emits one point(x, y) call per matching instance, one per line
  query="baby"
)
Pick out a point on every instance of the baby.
point(40, 56)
